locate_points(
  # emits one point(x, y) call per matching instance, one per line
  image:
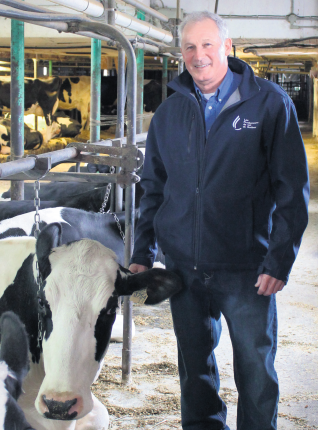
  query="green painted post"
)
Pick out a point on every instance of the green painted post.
point(50, 68)
point(140, 59)
point(17, 101)
point(96, 53)
point(164, 77)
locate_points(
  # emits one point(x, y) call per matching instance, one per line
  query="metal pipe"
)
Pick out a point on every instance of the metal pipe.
point(25, 164)
point(96, 49)
point(127, 21)
point(140, 81)
point(146, 47)
point(149, 41)
point(130, 190)
point(120, 127)
point(90, 7)
point(216, 6)
point(17, 102)
point(164, 77)
point(148, 10)
point(121, 19)
point(111, 12)
point(35, 75)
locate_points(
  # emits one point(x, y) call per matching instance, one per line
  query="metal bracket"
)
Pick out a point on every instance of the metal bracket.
point(42, 165)
point(129, 158)
point(73, 27)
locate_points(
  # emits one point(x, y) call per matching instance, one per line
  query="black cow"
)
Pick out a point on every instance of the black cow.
point(40, 97)
point(14, 365)
point(55, 190)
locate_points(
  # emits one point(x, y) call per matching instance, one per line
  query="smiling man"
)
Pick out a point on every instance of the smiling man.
point(226, 197)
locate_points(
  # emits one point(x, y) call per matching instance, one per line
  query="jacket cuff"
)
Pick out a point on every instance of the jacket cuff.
point(280, 276)
point(141, 260)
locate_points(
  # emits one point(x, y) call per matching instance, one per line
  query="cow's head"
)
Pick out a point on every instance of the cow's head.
point(81, 285)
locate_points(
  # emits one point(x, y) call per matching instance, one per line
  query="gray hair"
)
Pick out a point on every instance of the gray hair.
point(201, 16)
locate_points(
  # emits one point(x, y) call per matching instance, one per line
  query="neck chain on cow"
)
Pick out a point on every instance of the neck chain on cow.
point(38, 273)
point(102, 209)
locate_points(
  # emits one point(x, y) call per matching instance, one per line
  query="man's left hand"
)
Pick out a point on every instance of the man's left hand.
point(268, 285)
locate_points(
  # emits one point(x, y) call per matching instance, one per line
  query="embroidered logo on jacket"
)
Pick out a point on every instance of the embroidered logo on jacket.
point(246, 123)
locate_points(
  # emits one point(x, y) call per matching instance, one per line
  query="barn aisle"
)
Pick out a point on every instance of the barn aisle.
point(152, 401)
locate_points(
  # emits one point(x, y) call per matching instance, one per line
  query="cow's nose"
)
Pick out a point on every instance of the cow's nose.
point(57, 408)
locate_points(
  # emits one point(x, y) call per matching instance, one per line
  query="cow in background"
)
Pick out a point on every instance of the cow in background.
point(40, 98)
point(77, 305)
point(33, 139)
point(14, 365)
point(75, 93)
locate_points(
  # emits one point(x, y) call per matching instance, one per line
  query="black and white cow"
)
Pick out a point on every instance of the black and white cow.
point(40, 97)
point(77, 306)
point(75, 223)
point(88, 201)
point(14, 365)
point(33, 139)
point(75, 93)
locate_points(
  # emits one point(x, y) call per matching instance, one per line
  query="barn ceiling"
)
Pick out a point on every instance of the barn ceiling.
point(272, 36)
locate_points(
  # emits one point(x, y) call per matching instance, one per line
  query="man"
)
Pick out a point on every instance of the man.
point(225, 196)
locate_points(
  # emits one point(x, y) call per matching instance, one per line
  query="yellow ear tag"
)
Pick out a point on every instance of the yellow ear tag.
point(139, 297)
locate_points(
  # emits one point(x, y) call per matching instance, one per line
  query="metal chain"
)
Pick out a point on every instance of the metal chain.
point(102, 209)
point(37, 203)
point(108, 190)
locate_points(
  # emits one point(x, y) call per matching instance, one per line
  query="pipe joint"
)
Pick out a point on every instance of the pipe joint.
point(73, 27)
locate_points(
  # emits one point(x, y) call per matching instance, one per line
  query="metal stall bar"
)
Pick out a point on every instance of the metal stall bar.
point(121, 99)
point(17, 102)
point(25, 164)
point(130, 190)
point(96, 51)
point(140, 58)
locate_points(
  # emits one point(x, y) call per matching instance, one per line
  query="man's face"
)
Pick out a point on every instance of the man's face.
point(204, 55)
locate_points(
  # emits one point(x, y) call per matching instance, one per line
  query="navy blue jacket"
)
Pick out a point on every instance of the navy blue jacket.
point(236, 200)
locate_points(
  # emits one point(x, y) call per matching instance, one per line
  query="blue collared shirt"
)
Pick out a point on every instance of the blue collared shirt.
point(212, 107)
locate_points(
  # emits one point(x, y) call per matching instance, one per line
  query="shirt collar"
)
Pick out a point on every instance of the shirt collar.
point(222, 90)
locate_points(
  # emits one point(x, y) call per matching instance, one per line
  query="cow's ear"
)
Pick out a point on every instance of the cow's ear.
point(49, 238)
point(160, 284)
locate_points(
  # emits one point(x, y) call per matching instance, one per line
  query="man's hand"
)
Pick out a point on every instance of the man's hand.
point(268, 285)
point(137, 268)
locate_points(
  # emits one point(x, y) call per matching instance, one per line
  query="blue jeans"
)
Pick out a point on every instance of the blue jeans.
point(252, 323)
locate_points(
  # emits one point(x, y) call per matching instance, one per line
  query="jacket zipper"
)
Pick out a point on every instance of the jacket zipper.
point(197, 197)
